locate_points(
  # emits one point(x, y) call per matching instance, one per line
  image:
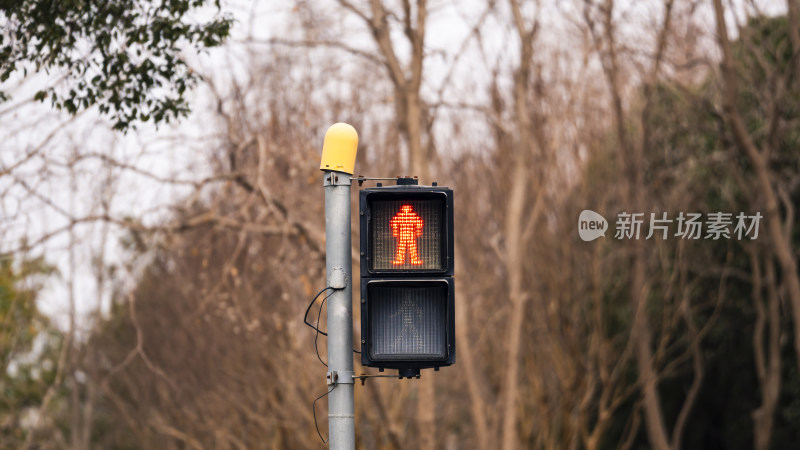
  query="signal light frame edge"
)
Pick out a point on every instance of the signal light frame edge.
point(367, 346)
point(411, 193)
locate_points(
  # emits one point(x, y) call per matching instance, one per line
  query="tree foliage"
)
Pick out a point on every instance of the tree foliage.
point(26, 370)
point(122, 55)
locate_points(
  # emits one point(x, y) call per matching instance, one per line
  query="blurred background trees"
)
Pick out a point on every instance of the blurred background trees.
point(29, 352)
point(534, 113)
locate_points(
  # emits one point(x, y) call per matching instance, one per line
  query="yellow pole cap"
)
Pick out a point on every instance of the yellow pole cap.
point(339, 149)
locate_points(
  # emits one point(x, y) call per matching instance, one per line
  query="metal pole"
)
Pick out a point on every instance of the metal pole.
point(338, 259)
point(338, 163)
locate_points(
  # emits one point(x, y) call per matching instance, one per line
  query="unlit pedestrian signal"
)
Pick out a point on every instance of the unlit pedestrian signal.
point(407, 287)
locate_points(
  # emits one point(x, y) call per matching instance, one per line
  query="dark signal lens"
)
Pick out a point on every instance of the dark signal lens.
point(406, 234)
point(407, 322)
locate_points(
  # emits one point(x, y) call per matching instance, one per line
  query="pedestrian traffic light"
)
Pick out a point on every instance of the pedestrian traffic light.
point(407, 287)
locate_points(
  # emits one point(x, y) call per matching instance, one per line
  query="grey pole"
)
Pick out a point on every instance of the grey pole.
point(338, 259)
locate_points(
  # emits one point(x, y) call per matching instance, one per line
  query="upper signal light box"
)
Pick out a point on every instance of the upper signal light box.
point(406, 230)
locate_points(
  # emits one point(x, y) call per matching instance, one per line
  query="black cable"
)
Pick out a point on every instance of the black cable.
point(314, 409)
point(316, 328)
point(316, 335)
point(305, 317)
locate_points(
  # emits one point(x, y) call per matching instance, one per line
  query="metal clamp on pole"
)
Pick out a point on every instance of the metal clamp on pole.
point(335, 179)
point(341, 377)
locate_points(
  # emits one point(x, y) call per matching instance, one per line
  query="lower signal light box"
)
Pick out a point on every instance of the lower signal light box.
point(407, 323)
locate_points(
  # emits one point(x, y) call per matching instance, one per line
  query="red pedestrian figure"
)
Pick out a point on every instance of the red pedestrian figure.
point(406, 227)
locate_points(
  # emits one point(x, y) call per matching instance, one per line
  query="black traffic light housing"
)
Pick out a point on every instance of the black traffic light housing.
point(407, 286)
point(371, 201)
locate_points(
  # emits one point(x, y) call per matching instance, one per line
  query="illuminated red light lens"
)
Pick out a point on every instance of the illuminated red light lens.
point(406, 234)
point(406, 228)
